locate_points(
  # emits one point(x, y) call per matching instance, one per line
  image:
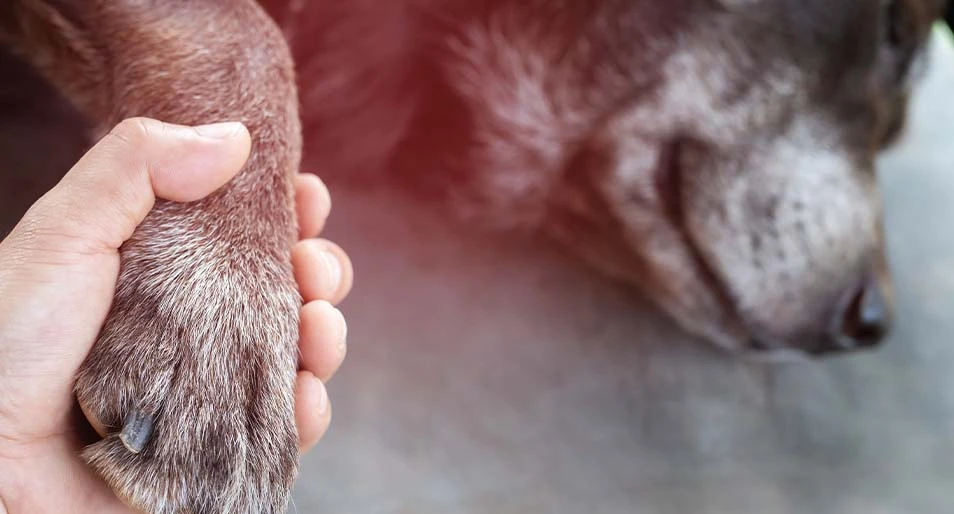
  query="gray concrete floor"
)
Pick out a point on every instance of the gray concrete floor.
point(488, 375)
point(491, 375)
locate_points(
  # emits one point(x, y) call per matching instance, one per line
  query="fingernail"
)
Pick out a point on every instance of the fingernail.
point(323, 401)
point(224, 130)
point(332, 271)
point(342, 332)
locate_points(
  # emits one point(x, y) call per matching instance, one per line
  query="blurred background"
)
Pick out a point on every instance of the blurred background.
point(493, 375)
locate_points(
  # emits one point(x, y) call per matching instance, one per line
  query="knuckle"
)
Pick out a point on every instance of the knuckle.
point(133, 142)
point(132, 133)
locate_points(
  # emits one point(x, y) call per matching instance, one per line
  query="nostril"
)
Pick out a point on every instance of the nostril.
point(867, 319)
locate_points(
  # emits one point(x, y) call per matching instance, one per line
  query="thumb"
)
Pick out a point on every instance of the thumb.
point(108, 193)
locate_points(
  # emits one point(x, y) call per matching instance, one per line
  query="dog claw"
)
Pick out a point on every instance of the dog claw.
point(137, 429)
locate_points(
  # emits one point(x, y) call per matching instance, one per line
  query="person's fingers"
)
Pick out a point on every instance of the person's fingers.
point(322, 340)
point(323, 270)
point(313, 204)
point(102, 199)
point(312, 410)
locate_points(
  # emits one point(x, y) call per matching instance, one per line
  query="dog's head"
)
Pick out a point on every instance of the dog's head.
point(718, 153)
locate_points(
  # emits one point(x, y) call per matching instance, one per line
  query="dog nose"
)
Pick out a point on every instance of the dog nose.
point(865, 320)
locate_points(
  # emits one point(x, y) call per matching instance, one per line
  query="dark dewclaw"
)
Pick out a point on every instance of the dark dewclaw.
point(137, 429)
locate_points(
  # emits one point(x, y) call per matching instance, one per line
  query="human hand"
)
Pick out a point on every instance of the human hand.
point(58, 272)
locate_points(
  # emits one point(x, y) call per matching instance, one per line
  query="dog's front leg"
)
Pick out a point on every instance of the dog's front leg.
point(192, 375)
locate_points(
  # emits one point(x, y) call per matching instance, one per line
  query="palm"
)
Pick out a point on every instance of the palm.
point(48, 322)
point(53, 465)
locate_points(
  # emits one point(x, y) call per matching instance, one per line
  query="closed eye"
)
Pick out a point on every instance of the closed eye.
point(900, 38)
point(894, 29)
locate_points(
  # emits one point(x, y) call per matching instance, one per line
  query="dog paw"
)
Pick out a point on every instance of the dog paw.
point(191, 385)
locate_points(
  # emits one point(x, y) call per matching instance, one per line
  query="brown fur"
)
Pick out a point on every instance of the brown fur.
point(716, 153)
